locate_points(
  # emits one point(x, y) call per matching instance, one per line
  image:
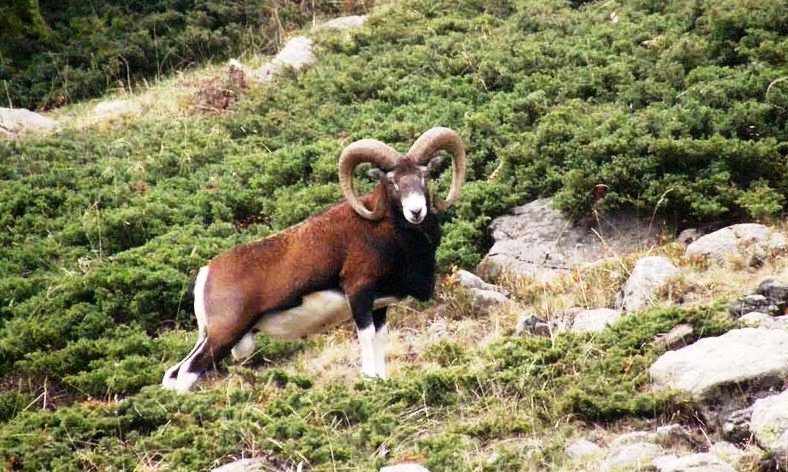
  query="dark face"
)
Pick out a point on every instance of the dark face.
point(407, 185)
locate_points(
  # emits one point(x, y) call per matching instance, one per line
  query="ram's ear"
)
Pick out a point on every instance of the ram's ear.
point(435, 166)
point(376, 174)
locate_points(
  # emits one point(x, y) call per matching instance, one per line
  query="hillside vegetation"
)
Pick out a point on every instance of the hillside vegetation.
point(103, 228)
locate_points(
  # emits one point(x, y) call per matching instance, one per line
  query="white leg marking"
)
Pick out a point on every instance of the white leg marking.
point(185, 381)
point(366, 337)
point(379, 345)
point(244, 348)
point(170, 381)
point(199, 300)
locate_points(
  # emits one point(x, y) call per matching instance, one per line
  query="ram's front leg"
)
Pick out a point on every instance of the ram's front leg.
point(380, 342)
point(361, 303)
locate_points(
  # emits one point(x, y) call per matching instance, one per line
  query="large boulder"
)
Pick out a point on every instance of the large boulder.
point(15, 121)
point(539, 241)
point(648, 276)
point(747, 358)
point(769, 425)
point(753, 242)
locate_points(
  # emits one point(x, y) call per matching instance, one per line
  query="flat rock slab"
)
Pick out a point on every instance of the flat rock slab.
point(749, 356)
point(749, 240)
point(769, 424)
point(539, 241)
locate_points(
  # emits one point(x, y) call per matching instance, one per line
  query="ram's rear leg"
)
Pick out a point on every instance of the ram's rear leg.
point(213, 343)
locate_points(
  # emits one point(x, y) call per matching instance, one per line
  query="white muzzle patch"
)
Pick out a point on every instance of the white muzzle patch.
point(414, 208)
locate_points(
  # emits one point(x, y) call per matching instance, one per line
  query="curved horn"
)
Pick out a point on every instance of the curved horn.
point(364, 150)
point(432, 141)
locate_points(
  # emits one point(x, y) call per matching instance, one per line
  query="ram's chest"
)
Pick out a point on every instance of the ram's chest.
point(317, 312)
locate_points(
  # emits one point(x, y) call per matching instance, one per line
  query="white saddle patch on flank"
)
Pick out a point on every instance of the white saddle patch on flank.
point(317, 311)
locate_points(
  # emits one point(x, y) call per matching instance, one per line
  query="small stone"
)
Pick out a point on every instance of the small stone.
point(594, 321)
point(484, 299)
point(532, 324)
point(773, 289)
point(469, 280)
point(584, 450)
point(344, 22)
point(409, 467)
point(703, 462)
point(676, 337)
point(632, 457)
point(244, 465)
point(750, 303)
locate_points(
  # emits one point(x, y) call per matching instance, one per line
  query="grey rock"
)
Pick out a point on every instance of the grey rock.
point(750, 303)
point(15, 121)
point(667, 435)
point(296, 54)
point(748, 358)
point(469, 280)
point(647, 277)
point(703, 462)
point(676, 337)
point(751, 241)
point(633, 437)
point(112, 108)
point(540, 242)
point(584, 450)
point(770, 298)
point(727, 452)
point(485, 299)
point(632, 457)
point(774, 289)
point(344, 22)
point(736, 425)
point(412, 467)
point(756, 319)
point(244, 465)
point(688, 236)
point(594, 321)
point(769, 424)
